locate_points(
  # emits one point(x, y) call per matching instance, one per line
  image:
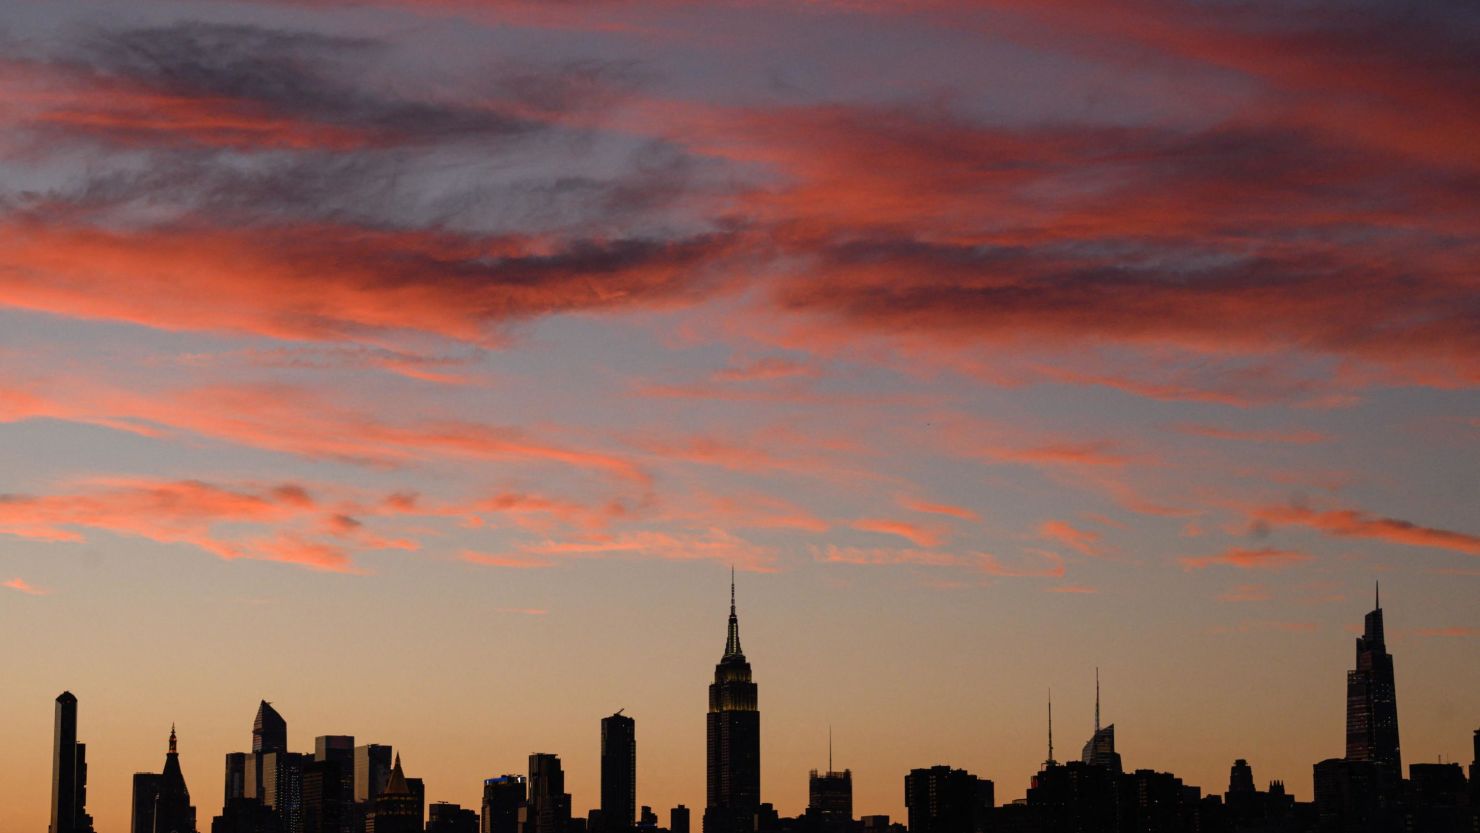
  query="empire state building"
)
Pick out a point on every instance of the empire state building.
point(734, 739)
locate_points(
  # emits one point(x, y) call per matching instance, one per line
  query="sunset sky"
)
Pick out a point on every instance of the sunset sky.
point(423, 367)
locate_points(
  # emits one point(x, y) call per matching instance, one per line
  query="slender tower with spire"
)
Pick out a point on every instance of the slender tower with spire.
point(1372, 699)
point(162, 801)
point(1050, 761)
point(733, 739)
point(1100, 750)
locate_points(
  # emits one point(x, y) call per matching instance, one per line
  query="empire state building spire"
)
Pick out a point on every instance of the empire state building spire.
point(732, 641)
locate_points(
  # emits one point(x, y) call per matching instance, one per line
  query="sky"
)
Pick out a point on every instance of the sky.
point(425, 366)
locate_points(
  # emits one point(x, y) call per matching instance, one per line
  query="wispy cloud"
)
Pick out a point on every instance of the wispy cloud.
point(1266, 558)
point(22, 586)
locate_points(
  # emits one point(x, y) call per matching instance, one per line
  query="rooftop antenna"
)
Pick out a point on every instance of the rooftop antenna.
point(829, 749)
point(1050, 726)
point(1097, 699)
point(1377, 593)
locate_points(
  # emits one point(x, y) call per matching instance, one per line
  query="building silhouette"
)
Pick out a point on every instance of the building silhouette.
point(945, 800)
point(1372, 701)
point(548, 810)
point(443, 817)
point(399, 806)
point(830, 800)
point(337, 800)
point(678, 819)
point(504, 801)
point(68, 771)
point(1099, 750)
point(324, 807)
point(618, 772)
point(161, 801)
point(269, 730)
point(733, 739)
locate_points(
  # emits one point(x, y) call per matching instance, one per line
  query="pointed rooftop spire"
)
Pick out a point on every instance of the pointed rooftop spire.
point(172, 739)
point(732, 641)
point(396, 783)
point(1097, 699)
point(1377, 599)
point(1050, 760)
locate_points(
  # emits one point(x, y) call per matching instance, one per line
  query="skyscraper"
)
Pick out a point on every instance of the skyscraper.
point(68, 771)
point(372, 769)
point(398, 808)
point(162, 801)
point(549, 803)
point(733, 739)
point(340, 751)
point(325, 809)
point(945, 800)
point(1099, 750)
point(269, 730)
point(1372, 702)
point(830, 800)
point(618, 772)
point(504, 804)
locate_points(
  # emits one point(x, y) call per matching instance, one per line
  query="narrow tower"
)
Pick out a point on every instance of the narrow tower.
point(162, 801)
point(68, 771)
point(1372, 699)
point(733, 739)
point(618, 772)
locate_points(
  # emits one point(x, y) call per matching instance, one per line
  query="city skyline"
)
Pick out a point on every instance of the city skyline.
point(552, 808)
point(423, 370)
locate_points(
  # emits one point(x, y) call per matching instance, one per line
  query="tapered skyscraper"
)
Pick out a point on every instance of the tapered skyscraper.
point(68, 772)
point(269, 730)
point(1372, 700)
point(734, 739)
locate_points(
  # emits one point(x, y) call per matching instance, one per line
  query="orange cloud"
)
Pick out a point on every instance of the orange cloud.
point(1246, 559)
point(992, 566)
point(930, 508)
point(294, 420)
point(1452, 632)
point(325, 282)
point(1251, 625)
point(514, 561)
point(914, 533)
point(1085, 541)
point(21, 585)
point(1246, 593)
point(1352, 523)
point(185, 512)
point(763, 370)
point(1282, 437)
point(833, 554)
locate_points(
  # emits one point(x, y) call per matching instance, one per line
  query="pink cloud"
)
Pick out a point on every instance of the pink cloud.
point(833, 554)
point(514, 561)
point(1246, 593)
point(914, 533)
point(1246, 559)
point(1278, 437)
point(1353, 523)
point(21, 585)
point(930, 508)
point(1084, 541)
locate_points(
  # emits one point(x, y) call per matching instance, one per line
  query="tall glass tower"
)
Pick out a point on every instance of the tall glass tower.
point(1372, 701)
